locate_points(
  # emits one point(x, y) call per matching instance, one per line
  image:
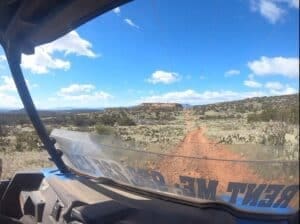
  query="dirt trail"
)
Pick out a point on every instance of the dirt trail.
point(196, 144)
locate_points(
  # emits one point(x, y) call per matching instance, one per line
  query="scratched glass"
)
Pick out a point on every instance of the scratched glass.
point(263, 186)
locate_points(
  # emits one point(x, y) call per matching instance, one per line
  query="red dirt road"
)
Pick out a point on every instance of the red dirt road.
point(196, 144)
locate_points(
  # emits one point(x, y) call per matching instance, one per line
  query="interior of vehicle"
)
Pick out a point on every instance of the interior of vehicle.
point(90, 186)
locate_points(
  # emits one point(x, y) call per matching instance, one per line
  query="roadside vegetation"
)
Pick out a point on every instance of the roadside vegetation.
point(269, 123)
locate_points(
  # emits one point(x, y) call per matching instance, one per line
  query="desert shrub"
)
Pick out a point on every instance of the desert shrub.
point(238, 116)
point(19, 145)
point(275, 133)
point(4, 144)
point(27, 141)
point(14, 119)
point(121, 119)
point(104, 130)
point(241, 109)
point(216, 117)
point(285, 114)
point(82, 121)
point(3, 131)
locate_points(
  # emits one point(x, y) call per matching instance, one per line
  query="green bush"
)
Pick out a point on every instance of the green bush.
point(121, 119)
point(27, 141)
point(104, 130)
point(288, 114)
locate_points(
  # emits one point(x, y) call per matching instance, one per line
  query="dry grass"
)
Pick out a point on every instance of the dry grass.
point(23, 161)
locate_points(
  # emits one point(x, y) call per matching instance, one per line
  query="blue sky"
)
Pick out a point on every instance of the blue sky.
point(164, 51)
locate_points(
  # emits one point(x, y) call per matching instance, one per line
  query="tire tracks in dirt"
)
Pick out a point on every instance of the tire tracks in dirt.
point(196, 144)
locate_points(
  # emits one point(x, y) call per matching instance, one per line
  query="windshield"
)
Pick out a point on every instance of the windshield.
point(198, 100)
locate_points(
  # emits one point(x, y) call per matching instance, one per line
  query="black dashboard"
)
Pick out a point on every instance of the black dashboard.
point(55, 198)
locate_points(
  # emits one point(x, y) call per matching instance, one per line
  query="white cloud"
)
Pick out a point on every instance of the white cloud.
point(87, 98)
point(273, 10)
point(265, 66)
point(193, 97)
point(277, 88)
point(117, 10)
point(80, 95)
point(270, 11)
point(131, 23)
point(252, 84)
point(164, 77)
point(232, 72)
point(197, 98)
point(294, 3)
point(284, 91)
point(9, 101)
point(274, 85)
point(291, 3)
point(7, 84)
point(43, 60)
point(8, 96)
point(77, 89)
point(2, 58)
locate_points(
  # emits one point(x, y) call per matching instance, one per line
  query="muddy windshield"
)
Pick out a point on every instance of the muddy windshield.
point(198, 101)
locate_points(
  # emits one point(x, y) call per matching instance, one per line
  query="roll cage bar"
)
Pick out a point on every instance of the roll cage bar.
point(25, 24)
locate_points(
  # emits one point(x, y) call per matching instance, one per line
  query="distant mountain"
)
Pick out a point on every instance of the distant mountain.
point(75, 110)
point(186, 106)
point(5, 110)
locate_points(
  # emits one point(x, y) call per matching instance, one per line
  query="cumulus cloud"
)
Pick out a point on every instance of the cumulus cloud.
point(291, 3)
point(77, 89)
point(273, 10)
point(87, 98)
point(7, 84)
point(232, 72)
point(277, 88)
point(274, 85)
point(284, 91)
point(131, 23)
point(163, 77)
point(193, 97)
point(8, 96)
point(81, 95)
point(117, 10)
point(9, 101)
point(270, 11)
point(266, 66)
point(44, 59)
point(41, 62)
point(252, 84)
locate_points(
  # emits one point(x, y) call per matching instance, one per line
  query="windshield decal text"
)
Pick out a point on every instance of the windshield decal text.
point(243, 194)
